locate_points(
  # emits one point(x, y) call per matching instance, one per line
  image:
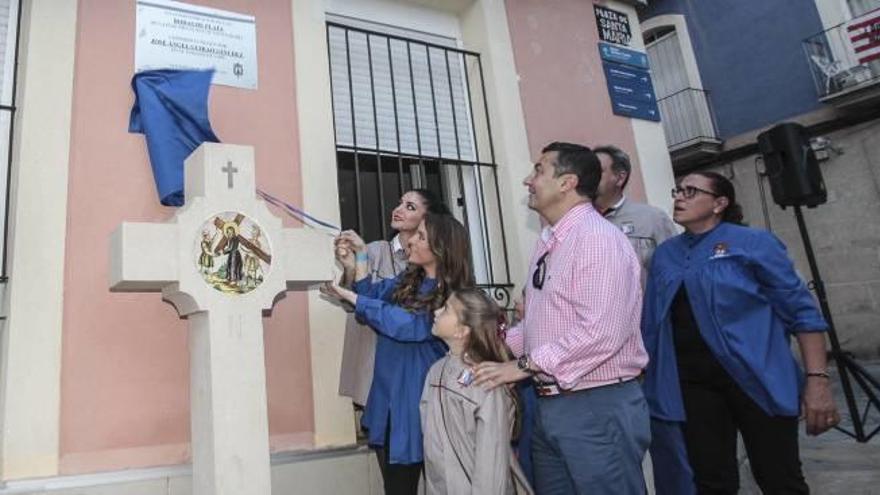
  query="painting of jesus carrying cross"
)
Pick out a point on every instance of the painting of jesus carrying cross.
point(232, 254)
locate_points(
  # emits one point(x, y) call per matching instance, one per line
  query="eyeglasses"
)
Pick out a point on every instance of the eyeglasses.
point(689, 192)
point(540, 272)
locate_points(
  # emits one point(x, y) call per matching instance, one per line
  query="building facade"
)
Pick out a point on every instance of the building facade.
point(356, 100)
point(725, 72)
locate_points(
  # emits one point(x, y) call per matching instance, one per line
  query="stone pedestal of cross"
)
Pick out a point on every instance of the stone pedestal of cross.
point(222, 261)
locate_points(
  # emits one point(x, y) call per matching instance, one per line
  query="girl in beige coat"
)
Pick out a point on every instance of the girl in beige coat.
point(467, 429)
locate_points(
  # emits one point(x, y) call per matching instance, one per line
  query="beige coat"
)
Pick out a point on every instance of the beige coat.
point(359, 346)
point(467, 436)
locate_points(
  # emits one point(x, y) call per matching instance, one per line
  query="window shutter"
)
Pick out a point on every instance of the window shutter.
point(8, 17)
point(409, 81)
point(8, 28)
point(667, 65)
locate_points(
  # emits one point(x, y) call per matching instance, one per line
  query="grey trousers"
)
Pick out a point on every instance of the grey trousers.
point(592, 441)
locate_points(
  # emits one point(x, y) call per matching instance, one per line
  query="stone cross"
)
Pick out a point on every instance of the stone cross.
point(222, 261)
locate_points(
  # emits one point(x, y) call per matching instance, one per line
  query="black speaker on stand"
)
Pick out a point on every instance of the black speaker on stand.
point(796, 181)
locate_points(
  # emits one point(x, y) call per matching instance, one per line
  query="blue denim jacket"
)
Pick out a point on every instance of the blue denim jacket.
point(405, 351)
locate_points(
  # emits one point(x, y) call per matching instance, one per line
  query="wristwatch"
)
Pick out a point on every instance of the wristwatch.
point(524, 363)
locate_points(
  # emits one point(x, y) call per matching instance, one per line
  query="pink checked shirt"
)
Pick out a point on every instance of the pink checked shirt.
point(582, 328)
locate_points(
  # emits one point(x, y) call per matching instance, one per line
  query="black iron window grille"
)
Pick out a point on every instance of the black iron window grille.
point(409, 114)
point(10, 22)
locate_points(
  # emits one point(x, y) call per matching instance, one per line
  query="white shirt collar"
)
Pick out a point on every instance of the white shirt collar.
point(546, 233)
point(396, 246)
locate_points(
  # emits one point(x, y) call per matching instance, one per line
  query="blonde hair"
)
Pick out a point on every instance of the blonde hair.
point(484, 343)
point(480, 313)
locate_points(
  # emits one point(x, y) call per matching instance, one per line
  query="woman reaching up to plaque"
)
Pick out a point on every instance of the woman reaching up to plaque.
point(400, 311)
point(386, 259)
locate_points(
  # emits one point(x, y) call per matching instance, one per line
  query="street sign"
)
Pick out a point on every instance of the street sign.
point(626, 75)
point(614, 53)
point(631, 91)
point(635, 110)
point(613, 25)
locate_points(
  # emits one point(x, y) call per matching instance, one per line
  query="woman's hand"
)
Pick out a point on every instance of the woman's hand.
point(334, 291)
point(354, 241)
point(818, 408)
point(352, 255)
point(344, 254)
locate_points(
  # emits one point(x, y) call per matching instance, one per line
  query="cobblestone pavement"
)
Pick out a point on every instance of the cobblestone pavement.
point(835, 463)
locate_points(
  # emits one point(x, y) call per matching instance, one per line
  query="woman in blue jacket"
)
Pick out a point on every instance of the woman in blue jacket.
point(400, 310)
point(721, 304)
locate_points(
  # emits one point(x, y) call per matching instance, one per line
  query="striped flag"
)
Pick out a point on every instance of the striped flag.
point(864, 34)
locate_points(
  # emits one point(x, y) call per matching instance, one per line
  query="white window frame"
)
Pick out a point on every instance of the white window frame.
point(679, 24)
point(9, 28)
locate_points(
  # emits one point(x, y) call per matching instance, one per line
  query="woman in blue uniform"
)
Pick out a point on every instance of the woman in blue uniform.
point(721, 304)
point(400, 310)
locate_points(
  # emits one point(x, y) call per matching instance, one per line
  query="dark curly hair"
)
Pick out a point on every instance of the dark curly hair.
point(449, 243)
point(432, 201)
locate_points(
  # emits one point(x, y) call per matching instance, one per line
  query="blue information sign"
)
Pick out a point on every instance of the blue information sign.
point(631, 91)
point(621, 55)
point(635, 109)
point(625, 75)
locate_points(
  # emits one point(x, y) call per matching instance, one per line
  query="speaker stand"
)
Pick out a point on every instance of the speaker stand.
point(846, 363)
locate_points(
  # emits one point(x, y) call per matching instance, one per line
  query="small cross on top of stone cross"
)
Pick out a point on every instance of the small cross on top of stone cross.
point(229, 170)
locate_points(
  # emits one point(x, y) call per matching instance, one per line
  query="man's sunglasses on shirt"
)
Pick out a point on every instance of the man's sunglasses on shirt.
point(540, 272)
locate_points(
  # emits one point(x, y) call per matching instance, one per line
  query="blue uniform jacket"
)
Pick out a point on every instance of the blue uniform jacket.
point(747, 300)
point(405, 351)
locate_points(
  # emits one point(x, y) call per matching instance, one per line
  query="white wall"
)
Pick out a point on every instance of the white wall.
point(398, 14)
point(334, 418)
point(31, 373)
point(656, 165)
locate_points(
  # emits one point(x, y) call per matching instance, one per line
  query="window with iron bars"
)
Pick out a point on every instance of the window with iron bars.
point(412, 113)
point(10, 20)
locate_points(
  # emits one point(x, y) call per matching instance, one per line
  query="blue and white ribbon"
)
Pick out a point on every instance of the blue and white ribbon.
point(297, 213)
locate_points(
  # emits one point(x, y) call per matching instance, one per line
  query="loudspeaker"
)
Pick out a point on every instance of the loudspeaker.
point(794, 174)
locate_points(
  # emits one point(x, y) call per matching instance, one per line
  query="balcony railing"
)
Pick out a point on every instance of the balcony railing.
point(688, 119)
point(845, 59)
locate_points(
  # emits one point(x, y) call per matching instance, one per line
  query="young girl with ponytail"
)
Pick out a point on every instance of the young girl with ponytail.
point(467, 429)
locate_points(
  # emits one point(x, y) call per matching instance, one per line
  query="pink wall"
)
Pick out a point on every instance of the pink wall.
point(125, 378)
point(562, 85)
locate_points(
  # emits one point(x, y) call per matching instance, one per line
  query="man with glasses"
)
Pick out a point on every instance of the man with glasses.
point(646, 226)
point(580, 338)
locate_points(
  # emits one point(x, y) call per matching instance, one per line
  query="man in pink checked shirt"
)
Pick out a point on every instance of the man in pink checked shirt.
point(580, 338)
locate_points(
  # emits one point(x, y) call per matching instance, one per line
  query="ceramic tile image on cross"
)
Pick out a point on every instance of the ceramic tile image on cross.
point(233, 254)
